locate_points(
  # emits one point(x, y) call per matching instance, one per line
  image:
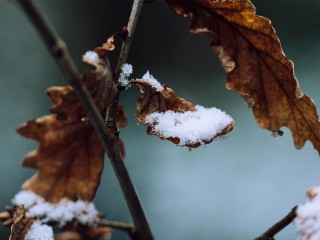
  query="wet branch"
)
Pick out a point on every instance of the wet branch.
point(59, 52)
point(276, 228)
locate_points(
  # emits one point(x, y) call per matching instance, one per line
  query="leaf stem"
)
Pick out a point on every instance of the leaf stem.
point(127, 227)
point(276, 228)
point(60, 53)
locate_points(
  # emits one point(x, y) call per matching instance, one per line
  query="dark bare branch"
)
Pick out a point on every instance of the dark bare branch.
point(61, 55)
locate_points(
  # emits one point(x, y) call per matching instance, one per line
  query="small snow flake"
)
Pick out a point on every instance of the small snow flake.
point(125, 74)
point(91, 57)
point(147, 77)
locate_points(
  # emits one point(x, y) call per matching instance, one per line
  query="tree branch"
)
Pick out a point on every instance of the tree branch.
point(271, 232)
point(62, 57)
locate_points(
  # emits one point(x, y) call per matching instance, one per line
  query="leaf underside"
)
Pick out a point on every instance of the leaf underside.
point(250, 52)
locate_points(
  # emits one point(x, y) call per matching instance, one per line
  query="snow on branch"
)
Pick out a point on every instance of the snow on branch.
point(126, 71)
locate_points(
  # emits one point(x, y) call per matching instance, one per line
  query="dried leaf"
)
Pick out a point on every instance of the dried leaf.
point(106, 47)
point(99, 83)
point(6, 217)
point(69, 159)
point(21, 224)
point(257, 68)
point(122, 149)
point(165, 101)
point(158, 101)
point(109, 44)
point(68, 235)
point(122, 120)
point(81, 232)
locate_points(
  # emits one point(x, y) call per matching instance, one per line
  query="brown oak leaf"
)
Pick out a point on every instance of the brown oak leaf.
point(69, 159)
point(81, 232)
point(21, 224)
point(6, 217)
point(154, 100)
point(250, 52)
point(195, 128)
point(99, 83)
point(122, 120)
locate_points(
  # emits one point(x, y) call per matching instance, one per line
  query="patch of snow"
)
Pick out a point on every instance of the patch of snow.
point(190, 127)
point(307, 220)
point(125, 74)
point(91, 57)
point(62, 212)
point(27, 199)
point(39, 231)
point(148, 78)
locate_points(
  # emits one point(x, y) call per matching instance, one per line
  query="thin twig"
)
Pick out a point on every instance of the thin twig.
point(126, 44)
point(127, 227)
point(60, 53)
point(111, 111)
point(271, 232)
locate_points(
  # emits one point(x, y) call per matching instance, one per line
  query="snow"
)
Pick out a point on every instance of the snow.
point(125, 74)
point(148, 78)
point(27, 199)
point(127, 69)
point(307, 220)
point(39, 231)
point(190, 127)
point(91, 57)
point(61, 212)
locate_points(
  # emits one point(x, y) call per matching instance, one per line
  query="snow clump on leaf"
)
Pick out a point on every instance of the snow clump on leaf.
point(307, 220)
point(62, 212)
point(173, 118)
point(190, 127)
point(39, 231)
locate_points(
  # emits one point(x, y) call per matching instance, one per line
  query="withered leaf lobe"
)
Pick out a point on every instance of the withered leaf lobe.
point(99, 83)
point(69, 159)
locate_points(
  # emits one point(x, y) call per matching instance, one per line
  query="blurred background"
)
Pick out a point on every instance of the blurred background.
point(234, 188)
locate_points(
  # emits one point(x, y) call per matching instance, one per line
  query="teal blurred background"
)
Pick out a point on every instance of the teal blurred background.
point(231, 189)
